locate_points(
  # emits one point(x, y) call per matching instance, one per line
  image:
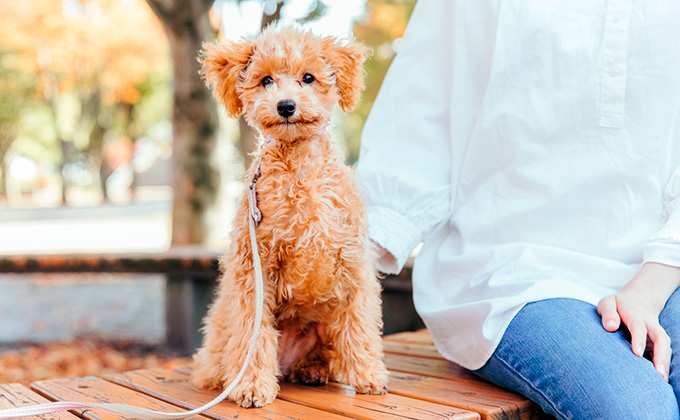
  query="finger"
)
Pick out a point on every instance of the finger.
point(638, 336)
point(661, 346)
point(609, 313)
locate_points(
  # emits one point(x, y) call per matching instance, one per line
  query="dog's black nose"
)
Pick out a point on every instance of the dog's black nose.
point(286, 108)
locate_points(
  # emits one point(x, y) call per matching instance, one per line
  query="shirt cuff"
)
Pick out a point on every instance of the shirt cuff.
point(661, 252)
point(395, 233)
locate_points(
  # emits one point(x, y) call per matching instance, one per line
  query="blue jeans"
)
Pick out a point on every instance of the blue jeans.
point(557, 354)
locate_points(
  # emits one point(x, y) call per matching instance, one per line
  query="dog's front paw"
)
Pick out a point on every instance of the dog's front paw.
point(374, 388)
point(370, 381)
point(254, 398)
point(255, 394)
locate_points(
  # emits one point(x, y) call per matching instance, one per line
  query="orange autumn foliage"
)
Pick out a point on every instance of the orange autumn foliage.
point(107, 44)
point(84, 357)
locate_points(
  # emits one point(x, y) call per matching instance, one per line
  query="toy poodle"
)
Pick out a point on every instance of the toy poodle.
point(322, 313)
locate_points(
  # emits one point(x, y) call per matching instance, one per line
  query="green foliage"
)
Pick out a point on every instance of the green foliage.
point(153, 105)
point(36, 135)
point(16, 96)
point(155, 100)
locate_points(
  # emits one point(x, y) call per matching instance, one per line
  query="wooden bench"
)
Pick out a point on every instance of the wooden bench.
point(191, 274)
point(422, 386)
point(190, 279)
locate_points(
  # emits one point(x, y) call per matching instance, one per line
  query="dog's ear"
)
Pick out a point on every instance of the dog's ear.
point(347, 61)
point(224, 64)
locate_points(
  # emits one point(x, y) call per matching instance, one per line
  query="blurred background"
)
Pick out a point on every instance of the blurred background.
point(110, 144)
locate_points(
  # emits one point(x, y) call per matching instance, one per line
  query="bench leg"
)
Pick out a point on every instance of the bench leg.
point(186, 303)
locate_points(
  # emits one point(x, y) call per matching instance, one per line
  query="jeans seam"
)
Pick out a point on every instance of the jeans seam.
point(514, 372)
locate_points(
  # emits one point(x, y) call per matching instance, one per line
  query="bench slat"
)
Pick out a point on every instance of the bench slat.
point(421, 350)
point(437, 380)
point(343, 399)
point(97, 390)
point(489, 401)
point(417, 337)
point(438, 368)
point(177, 259)
point(16, 395)
point(175, 388)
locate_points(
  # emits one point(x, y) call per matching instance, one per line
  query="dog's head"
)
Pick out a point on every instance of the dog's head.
point(286, 80)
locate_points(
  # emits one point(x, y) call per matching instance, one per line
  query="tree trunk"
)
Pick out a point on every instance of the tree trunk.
point(97, 153)
point(51, 93)
point(133, 134)
point(3, 176)
point(5, 143)
point(62, 165)
point(193, 118)
point(276, 15)
point(92, 109)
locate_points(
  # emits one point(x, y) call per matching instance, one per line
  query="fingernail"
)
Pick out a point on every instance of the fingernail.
point(611, 324)
point(662, 370)
point(640, 350)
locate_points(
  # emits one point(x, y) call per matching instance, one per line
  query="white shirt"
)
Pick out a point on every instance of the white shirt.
point(528, 144)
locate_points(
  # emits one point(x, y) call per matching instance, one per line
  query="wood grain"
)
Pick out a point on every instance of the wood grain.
point(343, 400)
point(420, 350)
point(175, 388)
point(16, 395)
point(438, 368)
point(437, 381)
point(417, 337)
point(489, 401)
point(97, 390)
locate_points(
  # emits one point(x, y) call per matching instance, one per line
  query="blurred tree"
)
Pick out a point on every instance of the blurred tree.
point(154, 104)
point(194, 120)
point(15, 96)
point(93, 51)
point(381, 28)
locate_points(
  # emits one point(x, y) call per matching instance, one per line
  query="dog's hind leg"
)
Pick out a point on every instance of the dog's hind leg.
point(302, 356)
point(312, 371)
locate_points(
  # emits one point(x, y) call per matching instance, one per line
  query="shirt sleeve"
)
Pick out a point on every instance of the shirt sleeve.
point(405, 158)
point(664, 246)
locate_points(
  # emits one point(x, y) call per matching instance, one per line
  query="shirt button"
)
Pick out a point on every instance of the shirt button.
point(613, 71)
point(616, 19)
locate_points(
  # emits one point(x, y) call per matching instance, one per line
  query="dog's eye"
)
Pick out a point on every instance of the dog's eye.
point(267, 81)
point(307, 79)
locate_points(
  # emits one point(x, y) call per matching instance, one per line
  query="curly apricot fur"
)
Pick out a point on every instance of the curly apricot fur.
point(322, 313)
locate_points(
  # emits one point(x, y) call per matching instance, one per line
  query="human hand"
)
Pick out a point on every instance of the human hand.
point(638, 305)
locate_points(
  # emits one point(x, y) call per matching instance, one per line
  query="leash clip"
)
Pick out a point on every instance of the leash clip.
point(253, 210)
